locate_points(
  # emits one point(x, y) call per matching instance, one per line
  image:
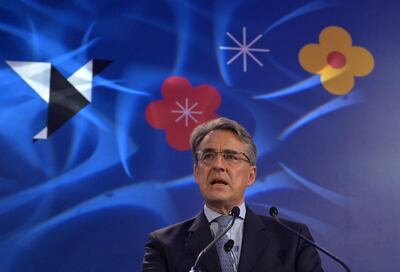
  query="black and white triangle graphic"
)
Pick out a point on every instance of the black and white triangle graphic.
point(65, 96)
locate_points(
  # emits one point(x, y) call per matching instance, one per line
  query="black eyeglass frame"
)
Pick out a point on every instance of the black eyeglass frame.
point(226, 152)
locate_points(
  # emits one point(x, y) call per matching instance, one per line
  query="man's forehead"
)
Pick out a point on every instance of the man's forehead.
point(222, 140)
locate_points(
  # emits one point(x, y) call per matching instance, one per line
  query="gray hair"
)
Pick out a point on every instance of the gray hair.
point(222, 123)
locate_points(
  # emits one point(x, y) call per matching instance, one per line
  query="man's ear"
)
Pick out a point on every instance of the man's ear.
point(252, 175)
point(195, 172)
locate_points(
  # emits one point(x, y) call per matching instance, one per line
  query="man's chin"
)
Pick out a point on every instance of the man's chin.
point(218, 201)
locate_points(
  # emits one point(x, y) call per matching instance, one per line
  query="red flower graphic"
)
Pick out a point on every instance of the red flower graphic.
point(183, 108)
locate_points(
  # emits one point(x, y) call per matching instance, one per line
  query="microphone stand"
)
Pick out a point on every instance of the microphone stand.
point(235, 214)
point(274, 213)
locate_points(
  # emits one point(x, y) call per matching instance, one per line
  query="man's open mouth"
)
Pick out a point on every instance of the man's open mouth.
point(218, 181)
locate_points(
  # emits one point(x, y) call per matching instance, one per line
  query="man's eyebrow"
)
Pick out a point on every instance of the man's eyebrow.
point(208, 149)
point(229, 151)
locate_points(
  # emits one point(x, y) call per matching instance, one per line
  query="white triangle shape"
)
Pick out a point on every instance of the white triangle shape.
point(36, 74)
point(41, 135)
point(82, 80)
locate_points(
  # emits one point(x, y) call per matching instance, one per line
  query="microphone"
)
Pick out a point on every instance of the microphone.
point(274, 213)
point(235, 214)
point(229, 245)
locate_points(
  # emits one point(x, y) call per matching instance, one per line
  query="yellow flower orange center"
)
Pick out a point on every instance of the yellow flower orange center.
point(336, 60)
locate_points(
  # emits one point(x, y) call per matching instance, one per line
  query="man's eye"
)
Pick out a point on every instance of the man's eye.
point(208, 156)
point(232, 157)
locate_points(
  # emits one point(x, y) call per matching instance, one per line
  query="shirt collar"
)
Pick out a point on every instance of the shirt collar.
point(212, 215)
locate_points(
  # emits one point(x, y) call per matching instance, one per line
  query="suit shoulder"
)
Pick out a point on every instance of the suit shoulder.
point(173, 229)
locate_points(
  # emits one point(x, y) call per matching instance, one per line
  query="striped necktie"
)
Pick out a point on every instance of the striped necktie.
point(225, 259)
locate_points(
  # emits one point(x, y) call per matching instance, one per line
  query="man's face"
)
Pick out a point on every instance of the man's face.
point(222, 184)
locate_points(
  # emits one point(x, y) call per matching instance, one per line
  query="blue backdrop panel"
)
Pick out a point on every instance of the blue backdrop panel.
point(83, 183)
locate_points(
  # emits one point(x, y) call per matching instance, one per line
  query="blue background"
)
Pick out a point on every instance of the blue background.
point(86, 198)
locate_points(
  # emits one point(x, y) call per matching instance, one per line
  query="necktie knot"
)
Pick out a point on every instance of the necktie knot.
point(223, 221)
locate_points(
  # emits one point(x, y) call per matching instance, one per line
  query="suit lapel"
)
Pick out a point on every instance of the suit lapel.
point(254, 241)
point(198, 238)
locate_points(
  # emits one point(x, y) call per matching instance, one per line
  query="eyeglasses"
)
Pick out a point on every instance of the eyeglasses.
point(230, 156)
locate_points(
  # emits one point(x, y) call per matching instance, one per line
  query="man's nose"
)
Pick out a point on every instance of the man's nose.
point(219, 162)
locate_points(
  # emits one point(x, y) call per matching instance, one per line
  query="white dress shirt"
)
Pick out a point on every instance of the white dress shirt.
point(235, 233)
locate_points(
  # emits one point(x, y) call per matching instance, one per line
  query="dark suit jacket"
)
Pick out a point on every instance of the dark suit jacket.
point(266, 247)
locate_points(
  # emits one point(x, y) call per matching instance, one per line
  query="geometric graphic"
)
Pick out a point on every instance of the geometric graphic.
point(183, 108)
point(336, 60)
point(65, 97)
point(244, 49)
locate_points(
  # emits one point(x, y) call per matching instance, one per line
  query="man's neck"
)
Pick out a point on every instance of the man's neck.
point(212, 214)
point(222, 209)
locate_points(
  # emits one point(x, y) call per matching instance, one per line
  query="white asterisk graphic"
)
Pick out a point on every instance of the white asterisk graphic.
point(244, 49)
point(186, 111)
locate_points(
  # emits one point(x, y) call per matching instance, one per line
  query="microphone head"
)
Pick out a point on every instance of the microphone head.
point(273, 211)
point(229, 245)
point(235, 211)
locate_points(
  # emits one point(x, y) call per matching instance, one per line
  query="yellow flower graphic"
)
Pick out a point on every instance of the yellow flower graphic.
point(336, 60)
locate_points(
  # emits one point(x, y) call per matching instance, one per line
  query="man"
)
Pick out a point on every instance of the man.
point(224, 166)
